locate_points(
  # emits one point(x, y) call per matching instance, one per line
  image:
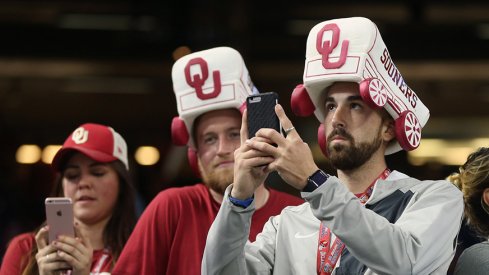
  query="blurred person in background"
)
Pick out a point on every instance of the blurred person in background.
point(211, 87)
point(94, 172)
point(473, 180)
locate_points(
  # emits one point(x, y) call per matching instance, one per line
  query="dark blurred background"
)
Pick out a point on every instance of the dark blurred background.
point(63, 63)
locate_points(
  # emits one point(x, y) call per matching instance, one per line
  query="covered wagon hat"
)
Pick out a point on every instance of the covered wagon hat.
point(206, 81)
point(352, 50)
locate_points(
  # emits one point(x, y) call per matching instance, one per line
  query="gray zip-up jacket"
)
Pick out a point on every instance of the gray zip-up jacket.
point(406, 227)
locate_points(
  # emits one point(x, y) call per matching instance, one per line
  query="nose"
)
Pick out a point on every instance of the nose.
point(339, 117)
point(85, 182)
point(225, 146)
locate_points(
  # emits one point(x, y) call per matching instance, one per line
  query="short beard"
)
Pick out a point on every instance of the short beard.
point(217, 180)
point(351, 157)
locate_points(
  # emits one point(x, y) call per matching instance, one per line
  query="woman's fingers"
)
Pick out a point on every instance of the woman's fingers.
point(42, 237)
point(49, 261)
point(77, 252)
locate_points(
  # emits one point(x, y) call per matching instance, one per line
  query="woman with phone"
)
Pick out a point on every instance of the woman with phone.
point(94, 173)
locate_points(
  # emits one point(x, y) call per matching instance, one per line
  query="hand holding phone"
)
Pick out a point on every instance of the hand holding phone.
point(59, 216)
point(261, 112)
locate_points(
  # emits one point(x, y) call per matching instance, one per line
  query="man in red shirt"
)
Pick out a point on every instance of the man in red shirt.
point(211, 87)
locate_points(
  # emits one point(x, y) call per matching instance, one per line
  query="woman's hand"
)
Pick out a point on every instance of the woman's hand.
point(64, 253)
point(77, 252)
point(47, 258)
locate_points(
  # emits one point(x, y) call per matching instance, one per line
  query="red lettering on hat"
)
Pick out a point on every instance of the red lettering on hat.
point(197, 81)
point(325, 48)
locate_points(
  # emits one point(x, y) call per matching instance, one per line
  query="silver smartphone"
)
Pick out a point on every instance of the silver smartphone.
point(59, 216)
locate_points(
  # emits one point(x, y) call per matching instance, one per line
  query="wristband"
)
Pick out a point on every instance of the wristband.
point(315, 180)
point(241, 203)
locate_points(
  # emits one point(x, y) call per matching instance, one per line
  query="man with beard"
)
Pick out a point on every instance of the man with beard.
point(211, 87)
point(367, 219)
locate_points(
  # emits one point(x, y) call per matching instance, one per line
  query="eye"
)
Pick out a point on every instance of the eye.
point(330, 106)
point(71, 174)
point(234, 134)
point(210, 139)
point(356, 105)
point(98, 172)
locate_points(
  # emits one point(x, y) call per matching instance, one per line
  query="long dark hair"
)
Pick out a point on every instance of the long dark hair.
point(121, 222)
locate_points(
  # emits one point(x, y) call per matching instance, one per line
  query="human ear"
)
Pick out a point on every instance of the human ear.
point(388, 130)
point(485, 196)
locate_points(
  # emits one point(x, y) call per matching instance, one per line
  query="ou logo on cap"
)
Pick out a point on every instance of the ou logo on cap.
point(80, 135)
point(197, 81)
point(325, 48)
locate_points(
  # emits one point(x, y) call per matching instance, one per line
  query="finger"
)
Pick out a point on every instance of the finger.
point(285, 122)
point(264, 137)
point(70, 246)
point(44, 252)
point(74, 250)
point(271, 137)
point(244, 127)
point(49, 259)
point(42, 237)
point(259, 161)
point(51, 263)
point(264, 145)
point(253, 153)
point(76, 256)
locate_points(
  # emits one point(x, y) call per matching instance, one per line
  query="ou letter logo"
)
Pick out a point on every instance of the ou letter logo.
point(197, 81)
point(325, 48)
point(80, 135)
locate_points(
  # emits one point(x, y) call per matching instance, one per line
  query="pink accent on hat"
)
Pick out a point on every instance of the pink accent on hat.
point(98, 142)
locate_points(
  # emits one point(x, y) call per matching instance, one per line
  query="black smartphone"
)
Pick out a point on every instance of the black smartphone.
point(261, 112)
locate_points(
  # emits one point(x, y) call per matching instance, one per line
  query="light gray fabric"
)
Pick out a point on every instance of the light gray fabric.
point(474, 260)
point(420, 242)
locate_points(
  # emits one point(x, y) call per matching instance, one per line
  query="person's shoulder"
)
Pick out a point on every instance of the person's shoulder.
point(478, 249)
point(23, 241)
point(474, 260)
point(177, 194)
point(441, 187)
point(416, 185)
point(24, 238)
point(183, 191)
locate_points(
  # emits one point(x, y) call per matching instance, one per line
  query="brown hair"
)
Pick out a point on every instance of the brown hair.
point(120, 225)
point(473, 179)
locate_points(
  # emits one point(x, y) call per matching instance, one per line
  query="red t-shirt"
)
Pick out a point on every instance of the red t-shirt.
point(17, 256)
point(170, 235)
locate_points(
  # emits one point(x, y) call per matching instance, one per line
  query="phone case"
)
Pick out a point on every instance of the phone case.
point(261, 112)
point(59, 216)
